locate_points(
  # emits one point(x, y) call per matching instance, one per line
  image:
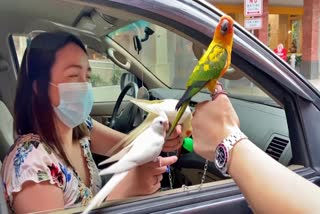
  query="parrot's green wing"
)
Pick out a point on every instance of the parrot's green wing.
point(210, 66)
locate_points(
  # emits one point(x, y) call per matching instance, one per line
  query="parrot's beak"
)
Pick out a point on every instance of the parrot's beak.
point(166, 125)
point(224, 27)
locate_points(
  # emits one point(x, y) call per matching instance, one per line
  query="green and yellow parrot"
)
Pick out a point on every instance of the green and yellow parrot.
point(212, 65)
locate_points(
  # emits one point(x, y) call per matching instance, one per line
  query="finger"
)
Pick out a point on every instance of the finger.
point(177, 132)
point(158, 170)
point(165, 161)
point(160, 177)
point(173, 142)
point(172, 146)
point(218, 93)
point(199, 105)
point(178, 129)
point(155, 180)
point(155, 188)
point(221, 96)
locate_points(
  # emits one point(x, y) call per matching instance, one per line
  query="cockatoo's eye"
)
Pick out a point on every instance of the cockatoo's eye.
point(161, 123)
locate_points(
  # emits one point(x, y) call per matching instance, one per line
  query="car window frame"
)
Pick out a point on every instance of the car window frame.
point(290, 96)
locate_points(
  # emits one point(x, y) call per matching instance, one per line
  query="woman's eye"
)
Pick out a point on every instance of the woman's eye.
point(73, 75)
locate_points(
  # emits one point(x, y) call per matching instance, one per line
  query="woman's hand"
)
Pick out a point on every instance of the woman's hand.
point(143, 180)
point(174, 142)
point(212, 122)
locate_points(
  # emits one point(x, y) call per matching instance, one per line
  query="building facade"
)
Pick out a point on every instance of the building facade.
point(293, 23)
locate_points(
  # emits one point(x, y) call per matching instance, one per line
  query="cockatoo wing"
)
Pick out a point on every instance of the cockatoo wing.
point(146, 147)
point(105, 191)
point(127, 140)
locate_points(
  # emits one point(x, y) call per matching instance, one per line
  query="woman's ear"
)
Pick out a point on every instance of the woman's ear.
point(35, 87)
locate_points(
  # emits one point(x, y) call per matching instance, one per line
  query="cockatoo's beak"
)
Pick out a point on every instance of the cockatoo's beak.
point(166, 125)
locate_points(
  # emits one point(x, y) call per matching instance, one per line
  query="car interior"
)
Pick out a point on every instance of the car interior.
point(136, 57)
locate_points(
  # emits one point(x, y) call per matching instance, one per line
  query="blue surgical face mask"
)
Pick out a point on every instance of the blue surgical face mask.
point(76, 101)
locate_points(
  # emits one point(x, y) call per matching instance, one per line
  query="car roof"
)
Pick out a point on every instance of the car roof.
point(57, 11)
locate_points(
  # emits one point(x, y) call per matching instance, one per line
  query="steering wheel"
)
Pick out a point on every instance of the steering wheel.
point(123, 121)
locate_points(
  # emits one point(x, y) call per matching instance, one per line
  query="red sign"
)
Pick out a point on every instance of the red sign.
point(253, 7)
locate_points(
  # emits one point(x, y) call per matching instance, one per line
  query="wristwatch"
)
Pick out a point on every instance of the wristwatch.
point(223, 151)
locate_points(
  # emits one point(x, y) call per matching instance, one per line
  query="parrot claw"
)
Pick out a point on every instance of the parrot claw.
point(217, 91)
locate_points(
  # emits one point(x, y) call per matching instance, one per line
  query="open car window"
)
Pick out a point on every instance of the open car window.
point(171, 58)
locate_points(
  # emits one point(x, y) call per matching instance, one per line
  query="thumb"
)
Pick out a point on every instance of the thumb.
point(167, 161)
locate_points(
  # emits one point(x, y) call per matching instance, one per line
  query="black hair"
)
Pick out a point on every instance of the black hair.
point(33, 112)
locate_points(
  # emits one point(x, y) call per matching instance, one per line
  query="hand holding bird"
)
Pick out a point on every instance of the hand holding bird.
point(145, 148)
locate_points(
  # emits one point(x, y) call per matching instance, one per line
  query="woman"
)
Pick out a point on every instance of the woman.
point(51, 160)
point(268, 186)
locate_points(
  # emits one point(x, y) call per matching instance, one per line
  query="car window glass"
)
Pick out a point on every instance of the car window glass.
point(20, 44)
point(105, 76)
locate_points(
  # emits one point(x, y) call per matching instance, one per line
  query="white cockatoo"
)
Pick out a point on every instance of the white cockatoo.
point(145, 148)
point(153, 108)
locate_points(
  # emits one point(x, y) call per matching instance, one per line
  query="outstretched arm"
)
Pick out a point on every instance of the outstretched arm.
point(268, 186)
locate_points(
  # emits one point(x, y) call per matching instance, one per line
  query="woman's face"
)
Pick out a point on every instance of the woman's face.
point(71, 65)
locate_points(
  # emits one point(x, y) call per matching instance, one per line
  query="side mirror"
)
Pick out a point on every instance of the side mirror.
point(126, 78)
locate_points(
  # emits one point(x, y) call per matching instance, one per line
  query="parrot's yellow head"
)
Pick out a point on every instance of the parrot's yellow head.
point(224, 30)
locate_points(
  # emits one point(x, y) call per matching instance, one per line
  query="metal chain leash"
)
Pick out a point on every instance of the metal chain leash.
point(170, 175)
point(185, 187)
point(204, 174)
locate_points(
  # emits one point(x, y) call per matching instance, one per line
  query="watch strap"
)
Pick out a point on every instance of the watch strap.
point(228, 143)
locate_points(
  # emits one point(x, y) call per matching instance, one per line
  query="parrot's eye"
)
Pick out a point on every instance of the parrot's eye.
point(161, 123)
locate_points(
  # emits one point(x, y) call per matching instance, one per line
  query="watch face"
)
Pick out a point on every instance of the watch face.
point(221, 156)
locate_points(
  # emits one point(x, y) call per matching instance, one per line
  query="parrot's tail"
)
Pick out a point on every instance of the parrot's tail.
point(105, 191)
point(176, 120)
point(186, 97)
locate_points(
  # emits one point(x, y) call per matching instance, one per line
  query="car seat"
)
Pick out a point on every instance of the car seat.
point(6, 120)
point(6, 130)
point(3, 202)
